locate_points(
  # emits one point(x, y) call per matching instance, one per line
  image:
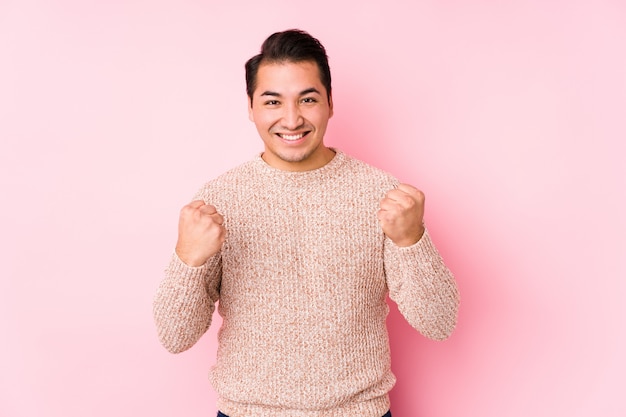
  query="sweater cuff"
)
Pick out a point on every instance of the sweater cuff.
point(423, 250)
point(424, 243)
point(180, 268)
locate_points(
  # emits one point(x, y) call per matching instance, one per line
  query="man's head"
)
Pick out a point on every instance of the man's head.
point(289, 46)
point(289, 100)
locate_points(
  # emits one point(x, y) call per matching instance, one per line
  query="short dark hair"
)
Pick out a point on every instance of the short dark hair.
point(292, 45)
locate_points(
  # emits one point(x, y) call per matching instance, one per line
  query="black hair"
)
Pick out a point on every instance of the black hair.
point(292, 45)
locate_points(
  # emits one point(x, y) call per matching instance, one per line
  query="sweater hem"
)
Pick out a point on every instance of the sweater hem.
point(375, 407)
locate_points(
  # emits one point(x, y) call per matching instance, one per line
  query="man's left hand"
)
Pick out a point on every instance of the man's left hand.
point(401, 215)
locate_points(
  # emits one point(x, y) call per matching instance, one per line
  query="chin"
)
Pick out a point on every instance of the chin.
point(294, 157)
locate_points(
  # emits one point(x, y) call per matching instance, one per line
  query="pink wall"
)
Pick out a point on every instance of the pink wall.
point(511, 117)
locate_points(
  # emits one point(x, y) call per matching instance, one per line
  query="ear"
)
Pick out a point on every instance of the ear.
point(330, 106)
point(250, 115)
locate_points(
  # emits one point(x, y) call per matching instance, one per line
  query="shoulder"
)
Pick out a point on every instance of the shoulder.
point(364, 173)
point(228, 183)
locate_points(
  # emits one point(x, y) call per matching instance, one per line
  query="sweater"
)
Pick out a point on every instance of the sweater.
point(301, 284)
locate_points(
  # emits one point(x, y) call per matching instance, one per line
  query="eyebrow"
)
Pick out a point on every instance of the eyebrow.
point(302, 93)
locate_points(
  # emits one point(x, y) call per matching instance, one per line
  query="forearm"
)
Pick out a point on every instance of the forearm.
point(423, 287)
point(184, 303)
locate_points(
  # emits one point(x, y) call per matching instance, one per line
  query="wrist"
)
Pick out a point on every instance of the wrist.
point(189, 259)
point(411, 240)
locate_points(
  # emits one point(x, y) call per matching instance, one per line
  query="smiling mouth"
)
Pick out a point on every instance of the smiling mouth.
point(292, 137)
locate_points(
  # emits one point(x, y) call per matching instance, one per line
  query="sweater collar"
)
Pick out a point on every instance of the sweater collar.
point(322, 171)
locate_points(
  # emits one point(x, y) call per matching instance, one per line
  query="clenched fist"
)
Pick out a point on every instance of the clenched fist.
point(200, 233)
point(401, 215)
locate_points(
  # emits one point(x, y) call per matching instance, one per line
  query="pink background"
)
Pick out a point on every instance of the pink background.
point(509, 115)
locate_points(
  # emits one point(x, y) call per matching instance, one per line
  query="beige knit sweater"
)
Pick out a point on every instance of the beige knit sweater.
point(302, 281)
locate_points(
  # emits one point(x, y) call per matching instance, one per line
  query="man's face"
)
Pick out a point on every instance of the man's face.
point(290, 109)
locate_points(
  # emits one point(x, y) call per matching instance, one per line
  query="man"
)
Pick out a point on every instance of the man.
point(301, 246)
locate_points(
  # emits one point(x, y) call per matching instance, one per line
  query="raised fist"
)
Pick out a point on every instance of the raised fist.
point(200, 233)
point(401, 215)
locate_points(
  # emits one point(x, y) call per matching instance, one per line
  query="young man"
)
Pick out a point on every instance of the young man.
point(301, 246)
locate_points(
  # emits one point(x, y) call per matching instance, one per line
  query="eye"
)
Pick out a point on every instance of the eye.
point(272, 103)
point(309, 100)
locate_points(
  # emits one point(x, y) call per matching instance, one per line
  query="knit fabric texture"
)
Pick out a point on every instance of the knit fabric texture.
point(301, 284)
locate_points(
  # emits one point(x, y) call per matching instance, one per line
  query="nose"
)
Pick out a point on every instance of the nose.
point(292, 117)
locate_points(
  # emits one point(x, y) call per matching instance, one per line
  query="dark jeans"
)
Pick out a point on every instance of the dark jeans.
point(220, 414)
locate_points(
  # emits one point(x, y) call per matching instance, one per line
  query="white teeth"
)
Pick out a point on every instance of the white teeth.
point(292, 137)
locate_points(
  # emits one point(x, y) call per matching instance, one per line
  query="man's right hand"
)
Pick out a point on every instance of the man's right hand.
point(200, 233)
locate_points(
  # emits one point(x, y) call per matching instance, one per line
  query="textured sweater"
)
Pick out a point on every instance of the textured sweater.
point(302, 281)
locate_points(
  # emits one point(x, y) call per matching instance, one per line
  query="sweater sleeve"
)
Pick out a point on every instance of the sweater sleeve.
point(422, 286)
point(184, 302)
